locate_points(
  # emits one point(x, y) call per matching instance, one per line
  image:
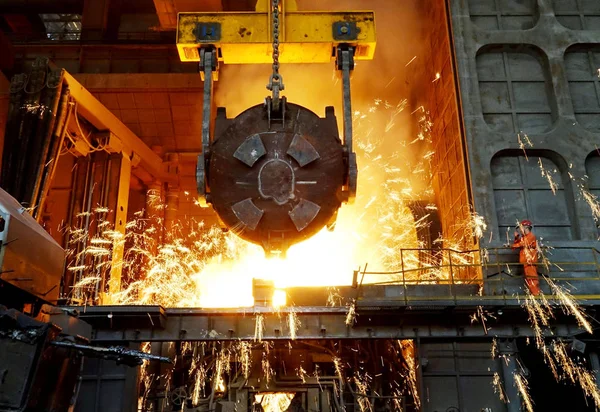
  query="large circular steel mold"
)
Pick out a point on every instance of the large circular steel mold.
point(276, 182)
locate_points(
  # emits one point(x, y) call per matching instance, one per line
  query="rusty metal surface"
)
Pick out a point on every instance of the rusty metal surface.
point(155, 324)
point(398, 311)
point(530, 77)
point(30, 258)
point(120, 354)
point(121, 202)
point(21, 345)
point(34, 375)
point(276, 183)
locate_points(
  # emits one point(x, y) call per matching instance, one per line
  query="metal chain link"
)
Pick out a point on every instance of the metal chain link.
point(276, 40)
point(276, 80)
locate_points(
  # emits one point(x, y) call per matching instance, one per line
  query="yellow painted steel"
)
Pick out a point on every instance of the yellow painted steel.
point(307, 37)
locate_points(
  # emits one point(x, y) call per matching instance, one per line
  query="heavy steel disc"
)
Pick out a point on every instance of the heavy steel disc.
point(278, 185)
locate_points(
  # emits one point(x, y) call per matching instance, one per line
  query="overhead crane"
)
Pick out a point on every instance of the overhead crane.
point(277, 173)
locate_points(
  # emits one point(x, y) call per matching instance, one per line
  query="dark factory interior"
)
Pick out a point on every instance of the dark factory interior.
point(299, 205)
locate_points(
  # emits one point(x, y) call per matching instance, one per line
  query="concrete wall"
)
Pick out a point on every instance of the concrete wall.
point(531, 100)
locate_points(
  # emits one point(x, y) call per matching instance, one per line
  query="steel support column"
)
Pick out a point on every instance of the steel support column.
point(171, 209)
point(154, 214)
point(120, 215)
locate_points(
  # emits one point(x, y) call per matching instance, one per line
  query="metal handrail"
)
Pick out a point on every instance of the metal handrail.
point(450, 267)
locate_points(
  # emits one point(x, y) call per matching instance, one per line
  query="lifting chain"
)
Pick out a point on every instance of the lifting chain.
point(276, 80)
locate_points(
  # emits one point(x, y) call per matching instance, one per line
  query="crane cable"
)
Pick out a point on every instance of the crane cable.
point(276, 80)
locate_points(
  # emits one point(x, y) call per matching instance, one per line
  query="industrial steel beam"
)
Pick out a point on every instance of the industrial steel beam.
point(121, 139)
point(245, 37)
point(155, 324)
point(119, 224)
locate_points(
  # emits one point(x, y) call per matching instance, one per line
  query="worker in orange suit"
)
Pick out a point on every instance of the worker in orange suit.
point(526, 241)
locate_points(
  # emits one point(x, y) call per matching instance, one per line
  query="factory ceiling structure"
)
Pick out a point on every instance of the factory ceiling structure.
point(299, 205)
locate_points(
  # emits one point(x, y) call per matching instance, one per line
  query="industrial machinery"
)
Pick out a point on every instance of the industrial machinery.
point(277, 173)
point(452, 329)
point(26, 271)
point(41, 345)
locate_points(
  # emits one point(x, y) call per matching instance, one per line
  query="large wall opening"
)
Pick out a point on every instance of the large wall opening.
point(536, 187)
point(592, 169)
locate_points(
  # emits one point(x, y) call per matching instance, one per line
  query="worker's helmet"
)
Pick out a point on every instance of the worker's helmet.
point(527, 223)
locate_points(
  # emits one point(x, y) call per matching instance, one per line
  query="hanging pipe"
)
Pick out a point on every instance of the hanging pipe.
point(58, 101)
point(30, 123)
point(55, 152)
point(38, 144)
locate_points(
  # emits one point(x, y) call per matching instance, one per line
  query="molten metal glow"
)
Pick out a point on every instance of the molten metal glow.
point(204, 267)
point(274, 402)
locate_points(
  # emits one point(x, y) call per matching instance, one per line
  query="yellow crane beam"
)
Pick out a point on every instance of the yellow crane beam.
point(246, 37)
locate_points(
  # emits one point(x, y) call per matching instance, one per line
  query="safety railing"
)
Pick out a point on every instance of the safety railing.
point(486, 275)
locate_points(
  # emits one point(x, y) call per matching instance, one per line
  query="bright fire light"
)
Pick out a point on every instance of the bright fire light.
point(204, 267)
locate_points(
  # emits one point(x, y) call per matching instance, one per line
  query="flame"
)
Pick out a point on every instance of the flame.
point(204, 267)
point(274, 402)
